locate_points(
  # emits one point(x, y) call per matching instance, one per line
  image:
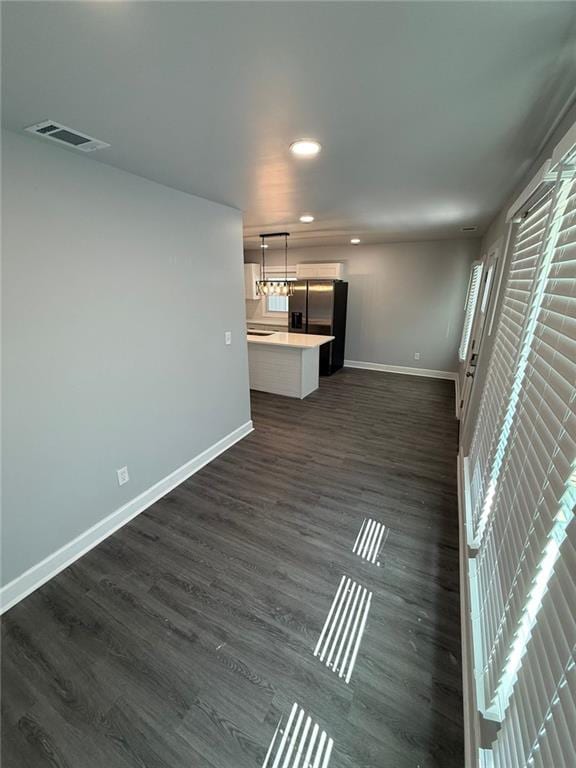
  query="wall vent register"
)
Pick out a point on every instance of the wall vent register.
point(62, 134)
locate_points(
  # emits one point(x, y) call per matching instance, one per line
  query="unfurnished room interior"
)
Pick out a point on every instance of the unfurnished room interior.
point(288, 384)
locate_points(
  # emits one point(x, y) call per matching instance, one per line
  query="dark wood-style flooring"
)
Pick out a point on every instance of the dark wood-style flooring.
point(182, 640)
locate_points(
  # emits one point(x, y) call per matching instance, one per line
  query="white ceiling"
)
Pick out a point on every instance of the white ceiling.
point(428, 113)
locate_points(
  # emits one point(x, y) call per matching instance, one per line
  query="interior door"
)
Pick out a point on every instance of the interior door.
point(480, 327)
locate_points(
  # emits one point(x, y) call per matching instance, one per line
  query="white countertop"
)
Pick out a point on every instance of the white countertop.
point(296, 340)
point(267, 321)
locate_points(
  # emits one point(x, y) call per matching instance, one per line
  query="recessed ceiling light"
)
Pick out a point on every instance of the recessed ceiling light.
point(305, 147)
point(264, 245)
point(355, 241)
point(307, 218)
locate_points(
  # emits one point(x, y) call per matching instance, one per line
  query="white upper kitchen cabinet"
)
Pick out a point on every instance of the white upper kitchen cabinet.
point(322, 271)
point(251, 276)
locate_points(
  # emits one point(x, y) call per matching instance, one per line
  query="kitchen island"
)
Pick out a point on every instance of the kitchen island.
point(284, 363)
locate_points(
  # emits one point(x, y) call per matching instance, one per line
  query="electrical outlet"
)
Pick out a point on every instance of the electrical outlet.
point(228, 337)
point(416, 355)
point(123, 475)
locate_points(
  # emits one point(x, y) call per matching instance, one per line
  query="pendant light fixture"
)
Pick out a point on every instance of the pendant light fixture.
point(267, 287)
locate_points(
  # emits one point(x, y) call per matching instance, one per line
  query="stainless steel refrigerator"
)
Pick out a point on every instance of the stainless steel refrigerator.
point(319, 306)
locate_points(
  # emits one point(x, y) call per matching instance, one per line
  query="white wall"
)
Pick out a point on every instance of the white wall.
point(403, 298)
point(116, 295)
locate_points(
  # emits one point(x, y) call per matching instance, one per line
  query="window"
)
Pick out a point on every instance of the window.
point(532, 468)
point(276, 304)
point(487, 287)
point(470, 309)
point(524, 496)
point(490, 434)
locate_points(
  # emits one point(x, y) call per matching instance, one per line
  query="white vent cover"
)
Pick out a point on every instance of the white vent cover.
point(50, 129)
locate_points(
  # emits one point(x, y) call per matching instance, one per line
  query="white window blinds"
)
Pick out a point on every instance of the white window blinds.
point(538, 730)
point(525, 583)
point(539, 727)
point(470, 309)
point(533, 465)
point(509, 335)
point(276, 303)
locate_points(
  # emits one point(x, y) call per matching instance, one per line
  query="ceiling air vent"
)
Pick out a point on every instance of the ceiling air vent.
point(49, 129)
point(468, 229)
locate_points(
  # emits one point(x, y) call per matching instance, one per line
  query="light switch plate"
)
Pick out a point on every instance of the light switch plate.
point(123, 475)
point(228, 337)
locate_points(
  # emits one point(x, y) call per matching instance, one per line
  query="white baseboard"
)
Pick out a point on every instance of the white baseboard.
point(427, 372)
point(40, 573)
point(470, 728)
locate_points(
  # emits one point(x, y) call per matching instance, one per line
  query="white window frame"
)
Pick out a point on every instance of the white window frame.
point(276, 273)
point(472, 295)
point(279, 313)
